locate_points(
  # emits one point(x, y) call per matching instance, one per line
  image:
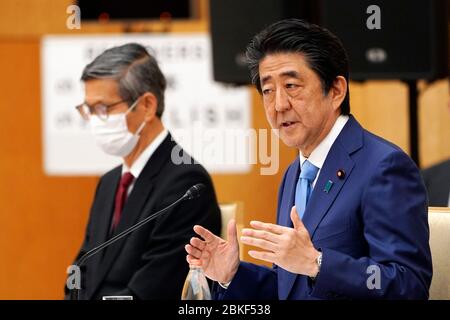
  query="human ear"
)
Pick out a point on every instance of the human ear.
point(150, 103)
point(338, 91)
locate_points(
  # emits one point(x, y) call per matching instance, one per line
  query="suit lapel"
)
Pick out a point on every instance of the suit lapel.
point(338, 158)
point(130, 214)
point(108, 208)
point(134, 205)
point(102, 223)
point(289, 194)
point(321, 201)
point(286, 278)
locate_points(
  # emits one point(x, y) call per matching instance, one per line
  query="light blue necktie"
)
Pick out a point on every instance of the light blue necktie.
point(304, 186)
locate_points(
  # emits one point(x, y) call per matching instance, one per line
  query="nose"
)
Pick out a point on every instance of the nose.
point(282, 102)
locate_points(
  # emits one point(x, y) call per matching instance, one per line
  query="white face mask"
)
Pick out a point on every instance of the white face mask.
point(112, 134)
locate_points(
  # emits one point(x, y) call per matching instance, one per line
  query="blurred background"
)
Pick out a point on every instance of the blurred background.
point(399, 90)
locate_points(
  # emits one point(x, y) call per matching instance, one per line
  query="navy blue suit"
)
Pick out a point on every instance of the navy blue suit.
point(375, 216)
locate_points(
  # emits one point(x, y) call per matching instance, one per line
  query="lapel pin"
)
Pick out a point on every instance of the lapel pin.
point(340, 174)
point(328, 186)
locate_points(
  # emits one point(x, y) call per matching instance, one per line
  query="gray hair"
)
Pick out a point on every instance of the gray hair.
point(135, 70)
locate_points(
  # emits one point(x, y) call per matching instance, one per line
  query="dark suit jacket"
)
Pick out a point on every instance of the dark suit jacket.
point(373, 222)
point(437, 181)
point(151, 262)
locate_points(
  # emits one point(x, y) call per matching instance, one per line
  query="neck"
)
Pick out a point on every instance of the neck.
point(308, 149)
point(148, 134)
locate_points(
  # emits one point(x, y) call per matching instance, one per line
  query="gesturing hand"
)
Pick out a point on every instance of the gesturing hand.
point(289, 248)
point(218, 258)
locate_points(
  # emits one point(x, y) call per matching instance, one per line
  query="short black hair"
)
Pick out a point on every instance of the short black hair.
point(134, 69)
point(322, 50)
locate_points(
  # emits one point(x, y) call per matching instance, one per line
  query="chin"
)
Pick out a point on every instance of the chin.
point(291, 143)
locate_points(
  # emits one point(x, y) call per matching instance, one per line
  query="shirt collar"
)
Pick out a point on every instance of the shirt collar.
point(141, 161)
point(319, 154)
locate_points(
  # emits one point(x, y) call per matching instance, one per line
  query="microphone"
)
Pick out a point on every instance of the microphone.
point(192, 193)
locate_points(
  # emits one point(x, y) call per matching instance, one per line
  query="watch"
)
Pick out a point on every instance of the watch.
point(319, 264)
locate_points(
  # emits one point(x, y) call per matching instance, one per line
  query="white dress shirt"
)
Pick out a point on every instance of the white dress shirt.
point(320, 153)
point(141, 161)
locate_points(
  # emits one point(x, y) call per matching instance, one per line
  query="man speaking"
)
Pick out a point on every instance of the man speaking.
point(124, 102)
point(352, 208)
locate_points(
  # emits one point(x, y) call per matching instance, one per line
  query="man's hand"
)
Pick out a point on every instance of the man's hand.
point(289, 248)
point(218, 258)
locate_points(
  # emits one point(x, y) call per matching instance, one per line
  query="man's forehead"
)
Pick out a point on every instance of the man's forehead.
point(101, 91)
point(101, 86)
point(282, 74)
point(282, 66)
point(101, 83)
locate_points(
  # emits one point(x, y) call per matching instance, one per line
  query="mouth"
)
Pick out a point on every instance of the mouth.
point(287, 124)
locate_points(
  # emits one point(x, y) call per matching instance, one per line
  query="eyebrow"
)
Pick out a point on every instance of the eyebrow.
point(291, 74)
point(285, 74)
point(265, 79)
point(95, 102)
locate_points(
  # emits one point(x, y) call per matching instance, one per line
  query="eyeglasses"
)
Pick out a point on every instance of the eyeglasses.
point(100, 110)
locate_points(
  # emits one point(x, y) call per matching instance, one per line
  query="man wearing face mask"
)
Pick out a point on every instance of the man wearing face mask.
point(124, 102)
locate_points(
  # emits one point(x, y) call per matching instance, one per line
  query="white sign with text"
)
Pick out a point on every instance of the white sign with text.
point(199, 112)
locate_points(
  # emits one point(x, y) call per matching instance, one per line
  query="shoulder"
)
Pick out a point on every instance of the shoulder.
point(387, 167)
point(181, 171)
point(374, 157)
point(187, 165)
point(365, 147)
point(379, 145)
point(110, 176)
point(379, 151)
point(177, 161)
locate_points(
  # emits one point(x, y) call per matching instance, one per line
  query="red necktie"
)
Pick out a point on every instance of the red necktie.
point(121, 197)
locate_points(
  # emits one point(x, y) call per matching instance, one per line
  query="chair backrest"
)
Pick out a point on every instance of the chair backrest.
point(232, 210)
point(439, 221)
point(229, 210)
